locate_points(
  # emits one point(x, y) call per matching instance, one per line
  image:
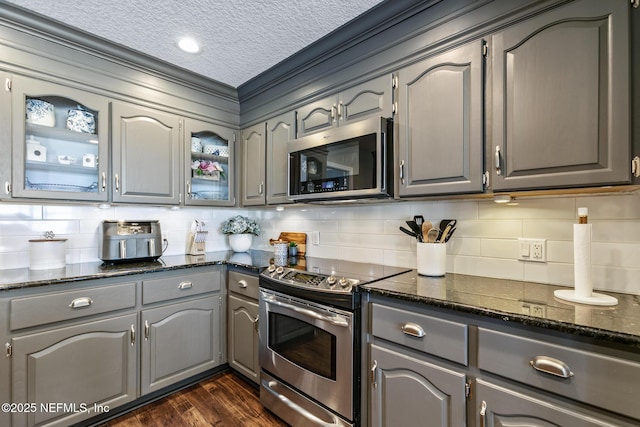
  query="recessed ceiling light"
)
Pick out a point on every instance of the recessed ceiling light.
point(189, 45)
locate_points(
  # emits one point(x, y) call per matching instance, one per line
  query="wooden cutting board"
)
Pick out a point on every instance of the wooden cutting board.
point(299, 238)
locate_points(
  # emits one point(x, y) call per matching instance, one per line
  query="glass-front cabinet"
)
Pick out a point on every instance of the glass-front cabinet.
point(60, 142)
point(210, 161)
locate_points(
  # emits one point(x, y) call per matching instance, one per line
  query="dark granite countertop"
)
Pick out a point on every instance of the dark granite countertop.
point(24, 277)
point(527, 303)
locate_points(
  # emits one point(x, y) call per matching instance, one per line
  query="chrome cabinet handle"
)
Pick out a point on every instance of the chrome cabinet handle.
point(104, 181)
point(117, 182)
point(261, 188)
point(551, 366)
point(81, 302)
point(497, 160)
point(374, 367)
point(146, 330)
point(133, 335)
point(185, 285)
point(7, 187)
point(413, 330)
point(402, 171)
point(255, 322)
point(483, 413)
point(243, 283)
point(189, 189)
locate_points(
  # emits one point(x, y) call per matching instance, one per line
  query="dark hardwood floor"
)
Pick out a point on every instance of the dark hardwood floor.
point(222, 400)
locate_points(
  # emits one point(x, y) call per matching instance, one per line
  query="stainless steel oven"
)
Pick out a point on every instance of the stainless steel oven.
point(309, 332)
point(309, 350)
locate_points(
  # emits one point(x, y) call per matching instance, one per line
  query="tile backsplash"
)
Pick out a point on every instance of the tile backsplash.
point(484, 244)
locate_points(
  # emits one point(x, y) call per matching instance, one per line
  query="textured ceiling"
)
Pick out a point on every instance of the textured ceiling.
point(239, 38)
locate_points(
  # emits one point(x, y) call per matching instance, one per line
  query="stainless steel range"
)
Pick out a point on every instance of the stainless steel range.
point(310, 340)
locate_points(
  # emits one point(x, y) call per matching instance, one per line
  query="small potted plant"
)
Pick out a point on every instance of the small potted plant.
point(293, 249)
point(240, 230)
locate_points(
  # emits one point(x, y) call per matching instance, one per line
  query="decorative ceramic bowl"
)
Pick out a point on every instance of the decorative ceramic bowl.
point(79, 120)
point(40, 112)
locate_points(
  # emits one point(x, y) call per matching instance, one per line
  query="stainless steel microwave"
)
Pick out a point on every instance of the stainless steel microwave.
point(354, 161)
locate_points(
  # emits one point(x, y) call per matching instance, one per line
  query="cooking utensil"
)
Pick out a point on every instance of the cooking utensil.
point(443, 226)
point(446, 239)
point(426, 226)
point(416, 229)
point(432, 235)
point(419, 220)
point(446, 231)
point(408, 232)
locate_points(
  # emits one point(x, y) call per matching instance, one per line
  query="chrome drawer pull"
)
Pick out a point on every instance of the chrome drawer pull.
point(185, 285)
point(413, 330)
point(242, 283)
point(551, 366)
point(81, 302)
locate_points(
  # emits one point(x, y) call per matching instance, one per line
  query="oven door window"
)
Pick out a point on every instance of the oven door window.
point(304, 344)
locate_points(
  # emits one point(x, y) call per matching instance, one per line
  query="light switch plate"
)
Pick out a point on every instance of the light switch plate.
point(532, 250)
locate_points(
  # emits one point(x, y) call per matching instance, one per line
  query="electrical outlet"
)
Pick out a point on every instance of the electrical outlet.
point(534, 309)
point(532, 250)
point(315, 238)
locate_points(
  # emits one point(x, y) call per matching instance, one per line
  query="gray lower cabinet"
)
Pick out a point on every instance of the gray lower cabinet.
point(90, 367)
point(405, 390)
point(440, 123)
point(145, 154)
point(560, 101)
point(280, 131)
point(498, 406)
point(242, 324)
point(253, 165)
point(179, 341)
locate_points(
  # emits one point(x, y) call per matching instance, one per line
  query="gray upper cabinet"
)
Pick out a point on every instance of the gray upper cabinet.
point(280, 131)
point(373, 97)
point(209, 164)
point(253, 165)
point(439, 123)
point(60, 142)
point(561, 98)
point(145, 154)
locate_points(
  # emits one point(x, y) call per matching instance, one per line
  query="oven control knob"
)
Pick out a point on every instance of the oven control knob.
point(344, 282)
point(331, 280)
point(280, 270)
point(271, 268)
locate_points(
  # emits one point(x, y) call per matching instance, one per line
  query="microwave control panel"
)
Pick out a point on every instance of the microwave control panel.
point(324, 185)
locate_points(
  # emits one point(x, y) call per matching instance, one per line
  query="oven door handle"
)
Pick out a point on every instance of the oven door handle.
point(334, 320)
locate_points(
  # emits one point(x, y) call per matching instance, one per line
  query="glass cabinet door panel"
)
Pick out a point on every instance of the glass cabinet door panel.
point(60, 142)
point(210, 170)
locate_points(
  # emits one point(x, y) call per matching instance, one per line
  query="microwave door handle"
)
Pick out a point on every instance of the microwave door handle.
point(335, 320)
point(383, 185)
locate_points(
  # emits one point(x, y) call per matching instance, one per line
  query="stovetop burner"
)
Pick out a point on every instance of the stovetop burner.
point(324, 280)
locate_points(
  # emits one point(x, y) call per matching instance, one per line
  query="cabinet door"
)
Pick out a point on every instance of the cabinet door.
point(146, 155)
point(60, 141)
point(405, 390)
point(501, 407)
point(372, 98)
point(209, 164)
point(83, 365)
point(253, 165)
point(243, 336)
point(561, 105)
point(280, 130)
point(439, 117)
point(179, 341)
point(317, 116)
point(5, 137)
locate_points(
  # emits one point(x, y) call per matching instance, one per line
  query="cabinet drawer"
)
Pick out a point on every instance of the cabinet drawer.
point(439, 337)
point(178, 286)
point(58, 306)
point(593, 378)
point(243, 284)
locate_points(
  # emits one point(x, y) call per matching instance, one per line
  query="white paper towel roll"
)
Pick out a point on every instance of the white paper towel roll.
point(582, 260)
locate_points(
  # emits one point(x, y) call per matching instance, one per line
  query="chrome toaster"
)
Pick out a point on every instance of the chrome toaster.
point(130, 240)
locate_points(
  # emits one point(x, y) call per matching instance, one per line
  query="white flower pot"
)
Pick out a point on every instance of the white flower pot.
point(240, 242)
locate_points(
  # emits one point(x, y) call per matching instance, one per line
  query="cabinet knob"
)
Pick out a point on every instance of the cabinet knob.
point(551, 366)
point(243, 283)
point(185, 285)
point(413, 330)
point(81, 302)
